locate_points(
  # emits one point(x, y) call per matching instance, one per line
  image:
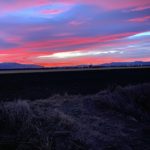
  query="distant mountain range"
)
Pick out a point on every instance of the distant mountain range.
point(10, 65)
point(113, 64)
point(126, 64)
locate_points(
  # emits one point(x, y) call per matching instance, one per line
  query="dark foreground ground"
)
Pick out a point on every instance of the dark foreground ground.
point(39, 84)
point(113, 119)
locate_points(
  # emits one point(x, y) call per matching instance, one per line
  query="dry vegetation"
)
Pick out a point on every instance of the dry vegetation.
point(114, 119)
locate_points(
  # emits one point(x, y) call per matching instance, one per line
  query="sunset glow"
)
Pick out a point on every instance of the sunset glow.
point(74, 32)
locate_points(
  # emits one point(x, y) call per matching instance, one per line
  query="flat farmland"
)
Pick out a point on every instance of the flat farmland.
point(43, 83)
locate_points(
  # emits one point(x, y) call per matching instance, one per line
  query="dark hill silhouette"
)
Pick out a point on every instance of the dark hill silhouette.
point(126, 64)
point(10, 65)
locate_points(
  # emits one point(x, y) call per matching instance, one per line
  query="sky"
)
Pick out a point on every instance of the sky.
point(55, 33)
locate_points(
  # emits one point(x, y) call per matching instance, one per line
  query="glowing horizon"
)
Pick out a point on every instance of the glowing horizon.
point(72, 32)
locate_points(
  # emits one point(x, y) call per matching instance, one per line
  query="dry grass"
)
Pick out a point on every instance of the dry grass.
point(114, 119)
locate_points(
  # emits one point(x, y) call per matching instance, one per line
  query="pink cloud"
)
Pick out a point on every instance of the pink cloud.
point(19, 4)
point(13, 39)
point(63, 34)
point(140, 8)
point(118, 4)
point(62, 43)
point(58, 43)
point(111, 4)
point(19, 55)
point(76, 23)
point(52, 12)
point(107, 4)
point(141, 19)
